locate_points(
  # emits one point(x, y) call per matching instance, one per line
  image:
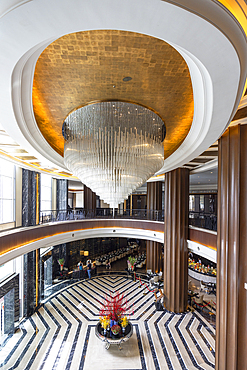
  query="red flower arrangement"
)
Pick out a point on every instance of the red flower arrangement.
point(115, 306)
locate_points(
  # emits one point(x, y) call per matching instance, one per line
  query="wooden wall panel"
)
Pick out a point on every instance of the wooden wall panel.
point(203, 237)
point(175, 236)
point(17, 237)
point(231, 320)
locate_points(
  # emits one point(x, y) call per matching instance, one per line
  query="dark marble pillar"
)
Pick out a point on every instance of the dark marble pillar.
point(231, 317)
point(12, 283)
point(154, 207)
point(62, 199)
point(30, 197)
point(62, 194)
point(9, 312)
point(175, 239)
point(48, 273)
point(31, 282)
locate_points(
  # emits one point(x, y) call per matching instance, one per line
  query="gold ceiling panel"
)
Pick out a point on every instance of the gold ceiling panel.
point(83, 67)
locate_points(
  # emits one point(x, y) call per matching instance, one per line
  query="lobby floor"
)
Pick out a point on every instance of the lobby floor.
point(61, 335)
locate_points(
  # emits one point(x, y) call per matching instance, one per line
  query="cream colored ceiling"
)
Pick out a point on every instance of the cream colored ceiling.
point(89, 66)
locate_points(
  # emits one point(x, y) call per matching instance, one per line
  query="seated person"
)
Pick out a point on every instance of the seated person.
point(108, 265)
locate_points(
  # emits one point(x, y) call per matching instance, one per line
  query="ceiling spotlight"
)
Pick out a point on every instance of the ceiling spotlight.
point(126, 79)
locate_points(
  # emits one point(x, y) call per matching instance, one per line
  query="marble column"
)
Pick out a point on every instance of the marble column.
point(30, 217)
point(29, 286)
point(62, 194)
point(231, 318)
point(154, 205)
point(30, 197)
point(9, 312)
point(8, 285)
point(175, 240)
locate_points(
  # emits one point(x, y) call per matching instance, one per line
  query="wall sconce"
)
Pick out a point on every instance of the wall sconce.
point(86, 253)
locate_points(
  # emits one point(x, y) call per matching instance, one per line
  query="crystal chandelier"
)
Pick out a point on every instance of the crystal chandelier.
point(113, 147)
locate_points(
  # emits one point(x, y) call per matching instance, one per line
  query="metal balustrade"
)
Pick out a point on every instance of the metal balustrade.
point(80, 214)
point(203, 220)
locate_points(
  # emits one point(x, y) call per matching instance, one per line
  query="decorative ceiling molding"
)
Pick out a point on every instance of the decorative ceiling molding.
point(214, 50)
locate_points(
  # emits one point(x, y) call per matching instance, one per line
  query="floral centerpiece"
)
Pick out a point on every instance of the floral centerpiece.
point(114, 311)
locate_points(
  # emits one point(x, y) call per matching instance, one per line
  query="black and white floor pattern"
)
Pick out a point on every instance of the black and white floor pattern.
point(61, 335)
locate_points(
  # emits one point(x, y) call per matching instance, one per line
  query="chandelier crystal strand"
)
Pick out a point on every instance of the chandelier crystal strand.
point(113, 147)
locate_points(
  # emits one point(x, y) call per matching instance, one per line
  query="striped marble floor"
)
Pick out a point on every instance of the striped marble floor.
point(61, 335)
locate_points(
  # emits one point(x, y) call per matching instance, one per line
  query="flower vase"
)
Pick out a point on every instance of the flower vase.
point(123, 329)
point(104, 332)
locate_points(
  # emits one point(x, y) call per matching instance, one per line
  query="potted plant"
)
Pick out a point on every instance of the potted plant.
point(61, 263)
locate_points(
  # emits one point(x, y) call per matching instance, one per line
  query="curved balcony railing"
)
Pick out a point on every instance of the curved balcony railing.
point(80, 214)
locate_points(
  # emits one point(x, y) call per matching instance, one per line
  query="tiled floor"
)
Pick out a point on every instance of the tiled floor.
point(61, 335)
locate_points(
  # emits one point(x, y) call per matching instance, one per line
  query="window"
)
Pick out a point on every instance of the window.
point(46, 192)
point(7, 191)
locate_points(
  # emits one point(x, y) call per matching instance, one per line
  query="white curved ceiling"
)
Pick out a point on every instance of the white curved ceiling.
point(216, 57)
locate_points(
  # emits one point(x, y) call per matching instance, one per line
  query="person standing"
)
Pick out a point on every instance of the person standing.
point(80, 268)
point(108, 265)
point(89, 268)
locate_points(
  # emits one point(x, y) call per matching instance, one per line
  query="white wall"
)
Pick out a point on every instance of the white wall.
point(202, 250)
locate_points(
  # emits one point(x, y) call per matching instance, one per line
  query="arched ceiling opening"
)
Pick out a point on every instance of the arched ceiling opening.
point(83, 67)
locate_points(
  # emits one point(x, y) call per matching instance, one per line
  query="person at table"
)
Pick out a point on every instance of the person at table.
point(89, 268)
point(108, 265)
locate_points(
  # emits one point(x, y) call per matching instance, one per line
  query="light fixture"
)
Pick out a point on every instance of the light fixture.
point(113, 147)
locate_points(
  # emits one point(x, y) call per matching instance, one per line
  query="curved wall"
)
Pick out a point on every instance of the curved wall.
point(214, 47)
point(20, 241)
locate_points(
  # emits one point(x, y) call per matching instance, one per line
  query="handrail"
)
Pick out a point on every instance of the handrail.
point(203, 220)
point(81, 213)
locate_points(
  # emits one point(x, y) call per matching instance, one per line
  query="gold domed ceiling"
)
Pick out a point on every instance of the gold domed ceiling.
point(89, 66)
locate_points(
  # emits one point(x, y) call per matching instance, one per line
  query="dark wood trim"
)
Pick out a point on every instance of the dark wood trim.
point(19, 237)
point(203, 237)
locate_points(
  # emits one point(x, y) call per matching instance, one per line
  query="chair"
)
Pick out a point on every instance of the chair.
point(189, 285)
point(204, 287)
point(156, 279)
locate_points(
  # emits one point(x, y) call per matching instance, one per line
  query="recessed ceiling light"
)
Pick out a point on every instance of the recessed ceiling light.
point(126, 79)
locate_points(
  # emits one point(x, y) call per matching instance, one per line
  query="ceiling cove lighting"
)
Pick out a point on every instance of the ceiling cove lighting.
point(113, 147)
